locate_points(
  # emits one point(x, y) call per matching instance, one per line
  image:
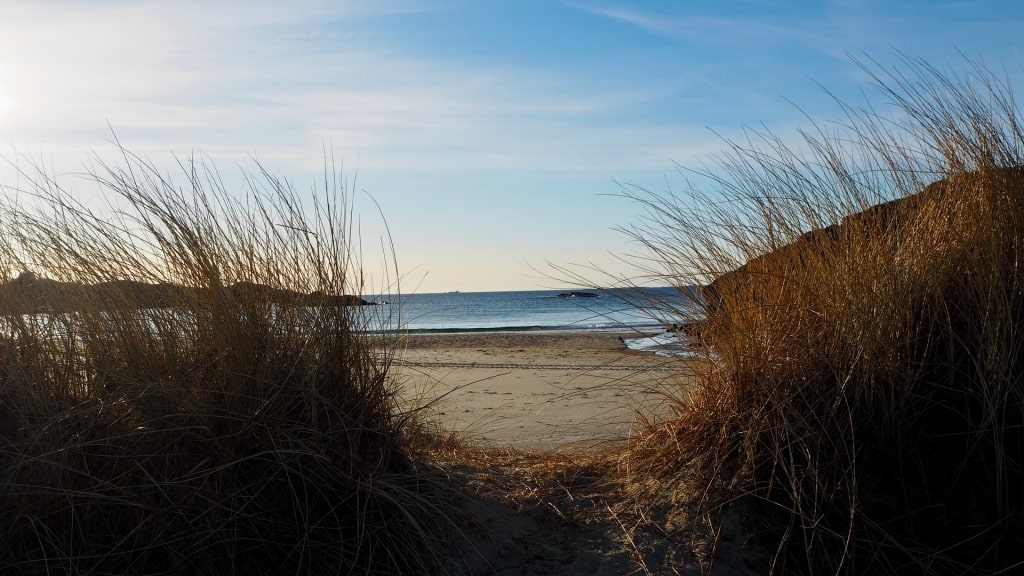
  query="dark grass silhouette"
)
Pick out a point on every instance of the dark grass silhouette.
point(231, 430)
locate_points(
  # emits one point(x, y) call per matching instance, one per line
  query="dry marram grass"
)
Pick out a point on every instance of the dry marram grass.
point(236, 428)
point(864, 388)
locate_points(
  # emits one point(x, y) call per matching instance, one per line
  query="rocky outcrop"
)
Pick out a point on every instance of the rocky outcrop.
point(258, 292)
point(578, 295)
point(30, 294)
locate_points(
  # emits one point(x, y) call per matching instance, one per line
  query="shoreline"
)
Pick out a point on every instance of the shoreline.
point(536, 390)
point(631, 331)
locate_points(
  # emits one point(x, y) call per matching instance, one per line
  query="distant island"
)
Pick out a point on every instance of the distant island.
point(578, 295)
point(31, 294)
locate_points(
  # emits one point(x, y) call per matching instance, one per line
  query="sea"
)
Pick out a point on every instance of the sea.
point(647, 312)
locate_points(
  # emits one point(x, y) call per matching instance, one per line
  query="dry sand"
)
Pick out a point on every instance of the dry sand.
point(535, 493)
point(532, 494)
point(536, 390)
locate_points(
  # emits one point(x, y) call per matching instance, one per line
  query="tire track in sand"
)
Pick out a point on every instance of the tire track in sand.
point(522, 366)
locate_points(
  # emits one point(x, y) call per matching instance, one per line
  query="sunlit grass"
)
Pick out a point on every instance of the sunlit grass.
point(863, 391)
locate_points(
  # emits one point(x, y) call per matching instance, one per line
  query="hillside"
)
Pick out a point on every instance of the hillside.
point(30, 294)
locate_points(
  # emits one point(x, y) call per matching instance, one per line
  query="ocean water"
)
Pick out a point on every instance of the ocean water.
point(644, 310)
point(533, 310)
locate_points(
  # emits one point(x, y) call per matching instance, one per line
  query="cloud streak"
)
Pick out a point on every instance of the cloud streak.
point(223, 78)
point(707, 31)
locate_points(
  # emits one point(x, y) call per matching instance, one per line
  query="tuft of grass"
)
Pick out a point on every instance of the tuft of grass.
point(863, 389)
point(234, 426)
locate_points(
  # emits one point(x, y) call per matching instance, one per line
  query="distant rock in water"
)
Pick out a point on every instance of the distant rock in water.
point(30, 294)
point(578, 295)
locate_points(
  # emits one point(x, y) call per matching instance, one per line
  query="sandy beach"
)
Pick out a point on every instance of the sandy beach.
point(536, 390)
point(548, 507)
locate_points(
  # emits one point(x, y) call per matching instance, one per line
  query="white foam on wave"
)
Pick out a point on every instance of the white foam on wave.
point(666, 344)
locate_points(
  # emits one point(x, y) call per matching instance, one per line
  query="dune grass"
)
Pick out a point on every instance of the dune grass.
point(237, 431)
point(864, 382)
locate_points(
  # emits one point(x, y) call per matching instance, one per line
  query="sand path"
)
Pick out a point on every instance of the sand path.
point(534, 492)
point(536, 390)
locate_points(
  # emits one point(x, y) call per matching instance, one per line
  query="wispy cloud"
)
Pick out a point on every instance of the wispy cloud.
point(832, 28)
point(223, 78)
point(705, 30)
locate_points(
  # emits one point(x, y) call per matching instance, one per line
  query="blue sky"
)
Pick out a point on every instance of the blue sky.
point(491, 133)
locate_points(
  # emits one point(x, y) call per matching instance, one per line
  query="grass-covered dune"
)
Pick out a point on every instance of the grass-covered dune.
point(865, 385)
point(239, 430)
